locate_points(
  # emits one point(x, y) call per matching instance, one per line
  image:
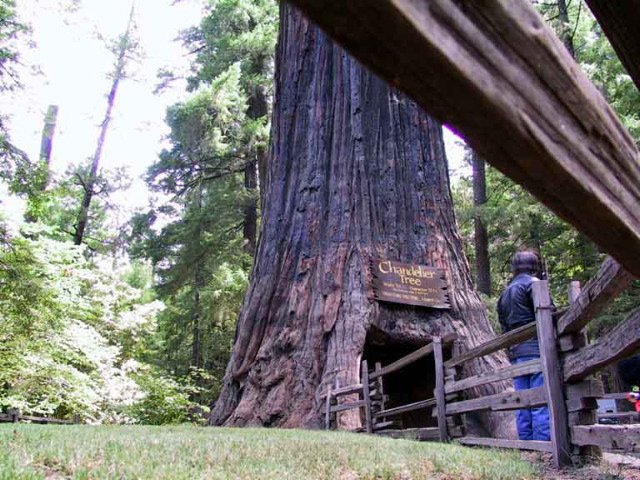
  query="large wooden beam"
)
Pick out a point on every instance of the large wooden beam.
point(611, 437)
point(619, 343)
point(610, 280)
point(497, 74)
point(619, 20)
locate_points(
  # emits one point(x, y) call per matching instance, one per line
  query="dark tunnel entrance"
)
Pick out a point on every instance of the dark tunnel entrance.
point(412, 383)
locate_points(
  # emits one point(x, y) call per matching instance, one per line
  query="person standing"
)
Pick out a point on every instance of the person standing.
point(515, 309)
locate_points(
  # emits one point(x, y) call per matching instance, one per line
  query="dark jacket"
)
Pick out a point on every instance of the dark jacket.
point(515, 309)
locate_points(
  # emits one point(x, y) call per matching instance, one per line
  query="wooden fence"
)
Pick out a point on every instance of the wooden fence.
point(14, 415)
point(567, 362)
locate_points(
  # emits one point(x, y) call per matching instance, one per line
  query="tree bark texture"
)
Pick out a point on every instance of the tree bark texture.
point(481, 239)
point(356, 170)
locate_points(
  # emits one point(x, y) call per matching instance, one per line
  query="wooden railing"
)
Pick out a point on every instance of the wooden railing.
point(373, 399)
point(14, 415)
point(567, 362)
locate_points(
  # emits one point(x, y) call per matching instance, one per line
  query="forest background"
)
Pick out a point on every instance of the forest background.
point(129, 316)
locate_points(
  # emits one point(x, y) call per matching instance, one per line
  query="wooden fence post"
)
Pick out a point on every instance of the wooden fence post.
point(380, 387)
point(367, 396)
point(439, 390)
point(327, 409)
point(553, 379)
point(14, 414)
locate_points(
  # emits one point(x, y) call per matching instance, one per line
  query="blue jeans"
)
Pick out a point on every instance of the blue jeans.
point(533, 423)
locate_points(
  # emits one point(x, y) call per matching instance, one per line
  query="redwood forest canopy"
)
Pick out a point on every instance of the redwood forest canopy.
point(247, 289)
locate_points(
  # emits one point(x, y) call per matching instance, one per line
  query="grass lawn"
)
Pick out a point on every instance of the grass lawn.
point(188, 452)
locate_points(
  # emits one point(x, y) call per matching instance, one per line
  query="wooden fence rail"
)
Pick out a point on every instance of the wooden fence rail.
point(15, 416)
point(567, 362)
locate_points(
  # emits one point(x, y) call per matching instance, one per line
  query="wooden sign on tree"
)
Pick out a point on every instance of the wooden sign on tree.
point(409, 284)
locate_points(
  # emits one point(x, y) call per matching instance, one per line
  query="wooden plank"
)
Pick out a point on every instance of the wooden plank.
point(537, 445)
point(14, 414)
point(524, 368)
point(510, 338)
point(623, 437)
point(347, 406)
point(383, 425)
point(366, 397)
point(590, 388)
point(619, 21)
point(579, 404)
point(558, 419)
point(428, 433)
point(421, 434)
point(380, 387)
point(403, 362)
point(573, 291)
point(597, 294)
point(615, 396)
point(357, 388)
point(439, 390)
point(45, 420)
point(412, 357)
point(572, 341)
point(327, 409)
point(619, 343)
point(575, 340)
point(583, 417)
point(503, 73)
point(533, 397)
point(410, 407)
point(625, 415)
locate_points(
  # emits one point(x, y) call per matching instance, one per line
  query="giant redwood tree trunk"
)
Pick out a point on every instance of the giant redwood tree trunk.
point(355, 170)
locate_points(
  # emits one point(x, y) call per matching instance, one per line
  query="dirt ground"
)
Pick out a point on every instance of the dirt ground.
point(607, 468)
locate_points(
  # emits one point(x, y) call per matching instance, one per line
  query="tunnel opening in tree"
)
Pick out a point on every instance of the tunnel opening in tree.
point(412, 383)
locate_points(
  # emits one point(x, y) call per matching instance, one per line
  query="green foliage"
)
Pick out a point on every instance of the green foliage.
point(198, 254)
point(165, 401)
point(235, 31)
point(10, 29)
point(598, 59)
point(59, 206)
point(515, 220)
point(69, 328)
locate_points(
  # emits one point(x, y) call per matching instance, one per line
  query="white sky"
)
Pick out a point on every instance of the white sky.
point(75, 64)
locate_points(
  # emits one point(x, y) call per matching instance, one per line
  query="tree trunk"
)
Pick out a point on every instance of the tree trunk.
point(356, 170)
point(258, 108)
point(198, 284)
point(250, 228)
point(481, 240)
point(565, 27)
point(46, 146)
point(90, 182)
